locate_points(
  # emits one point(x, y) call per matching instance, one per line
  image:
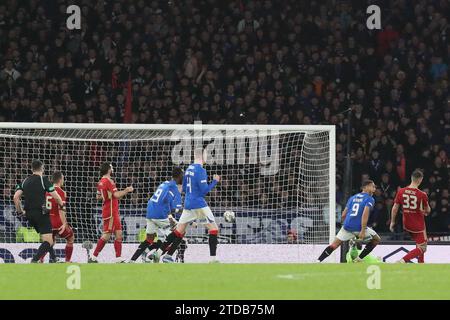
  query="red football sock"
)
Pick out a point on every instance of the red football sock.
point(412, 254)
point(100, 244)
point(69, 250)
point(178, 234)
point(421, 258)
point(118, 248)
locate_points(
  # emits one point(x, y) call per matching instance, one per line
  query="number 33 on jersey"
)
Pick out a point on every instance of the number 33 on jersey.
point(413, 202)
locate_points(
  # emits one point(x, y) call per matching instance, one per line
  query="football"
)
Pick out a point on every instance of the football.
point(229, 216)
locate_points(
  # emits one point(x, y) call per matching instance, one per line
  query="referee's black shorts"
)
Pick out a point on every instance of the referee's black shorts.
point(39, 221)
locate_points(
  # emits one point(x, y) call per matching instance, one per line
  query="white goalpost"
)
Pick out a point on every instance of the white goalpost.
point(279, 180)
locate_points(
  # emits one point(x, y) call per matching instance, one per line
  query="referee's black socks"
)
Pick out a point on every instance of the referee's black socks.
point(52, 254)
point(42, 251)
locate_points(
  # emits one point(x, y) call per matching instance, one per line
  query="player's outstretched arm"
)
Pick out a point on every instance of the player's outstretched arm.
point(58, 199)
point(172, 221)
point(427, 205)
point(63, 217)
point(364, 220)
point(394, 212)
point(17, 203)
point(428, 209)
point(344, 214)
point(205, 187)
point(122, 193)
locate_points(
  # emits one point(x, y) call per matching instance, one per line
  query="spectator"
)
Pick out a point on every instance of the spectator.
point(9, 73)
point(248, 24)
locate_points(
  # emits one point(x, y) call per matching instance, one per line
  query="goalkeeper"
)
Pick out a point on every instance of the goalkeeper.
point(356, 249)
point(164, 201)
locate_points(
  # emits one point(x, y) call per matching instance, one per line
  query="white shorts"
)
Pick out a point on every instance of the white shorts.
point(159, 226)
point(201, 215)
point(345, 235)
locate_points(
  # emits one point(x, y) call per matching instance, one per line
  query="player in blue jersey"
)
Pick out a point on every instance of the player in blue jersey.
point(165, 201)
point(195, 187)
point(355, 217)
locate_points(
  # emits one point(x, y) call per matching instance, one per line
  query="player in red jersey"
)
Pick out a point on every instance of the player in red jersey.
point(58, 220)
point(415, 207)
point(107, 191)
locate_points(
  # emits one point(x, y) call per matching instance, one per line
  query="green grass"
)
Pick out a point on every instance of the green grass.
point(224, 281)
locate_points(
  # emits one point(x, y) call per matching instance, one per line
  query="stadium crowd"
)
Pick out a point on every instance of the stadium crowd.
point(248, 62)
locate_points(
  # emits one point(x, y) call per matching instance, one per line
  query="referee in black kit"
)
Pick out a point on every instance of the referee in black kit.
point(33, 189)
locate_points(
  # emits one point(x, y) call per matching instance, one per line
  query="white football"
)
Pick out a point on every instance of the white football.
point(229, 216)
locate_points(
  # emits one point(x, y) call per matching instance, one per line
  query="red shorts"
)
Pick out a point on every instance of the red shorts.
point(68, 232)
point(112, 224)
point(419, 237)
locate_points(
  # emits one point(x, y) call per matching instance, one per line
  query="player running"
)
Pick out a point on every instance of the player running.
point(415, 206)
point(165, 201)
point(355, 217)
point(107, 191)
point(195, 187)
point(58, 219)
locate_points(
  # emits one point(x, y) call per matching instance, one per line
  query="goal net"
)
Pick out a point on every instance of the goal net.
point(278, 180)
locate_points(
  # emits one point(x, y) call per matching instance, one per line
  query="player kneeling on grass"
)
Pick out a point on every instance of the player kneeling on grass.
point(195, 187)
point(355, 217)
point(354, 251)
point(107, 191)
point(166, 199)
point(58, 218)
point(415, 207)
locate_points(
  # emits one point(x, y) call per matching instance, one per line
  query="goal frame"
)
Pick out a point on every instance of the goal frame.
point(119, 126)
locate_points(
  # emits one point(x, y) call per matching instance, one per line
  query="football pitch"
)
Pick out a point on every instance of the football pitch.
point(225, 281)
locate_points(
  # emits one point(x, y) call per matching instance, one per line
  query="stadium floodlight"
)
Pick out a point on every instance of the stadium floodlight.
point(278, 180)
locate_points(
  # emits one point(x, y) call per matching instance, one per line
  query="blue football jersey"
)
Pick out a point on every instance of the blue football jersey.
point(196, 187)
point(165, 199)
point(355, 208)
